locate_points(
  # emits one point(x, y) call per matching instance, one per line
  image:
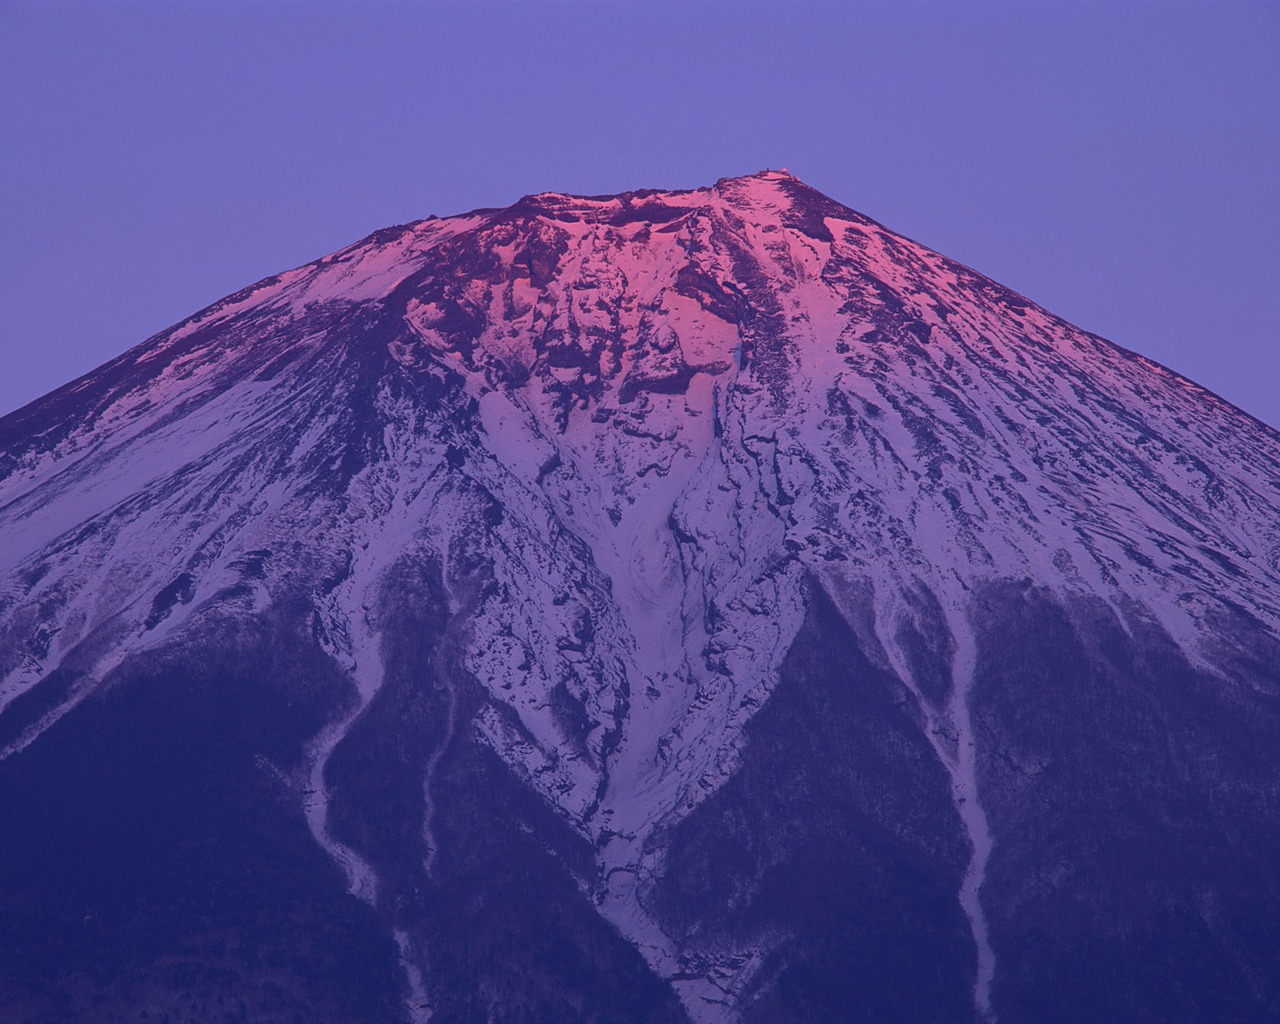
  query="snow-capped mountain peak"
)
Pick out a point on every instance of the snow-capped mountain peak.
point(615, 455)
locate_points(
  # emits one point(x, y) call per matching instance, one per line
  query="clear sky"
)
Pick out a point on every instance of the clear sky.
point(1119, 164)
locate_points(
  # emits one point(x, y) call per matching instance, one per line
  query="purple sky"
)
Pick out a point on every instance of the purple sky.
point(1116, 163)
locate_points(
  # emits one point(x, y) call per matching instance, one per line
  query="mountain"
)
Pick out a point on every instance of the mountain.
point(699, 606)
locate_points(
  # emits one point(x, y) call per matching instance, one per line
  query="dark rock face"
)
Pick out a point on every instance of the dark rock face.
point(496, 903)
point(701, 607)
point(1134, 796)
point(837, 835)
point(156, 866)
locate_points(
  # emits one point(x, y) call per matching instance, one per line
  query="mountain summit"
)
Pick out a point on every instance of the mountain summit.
point(701, 606)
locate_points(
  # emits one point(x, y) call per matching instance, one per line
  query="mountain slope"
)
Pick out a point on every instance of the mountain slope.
point(702, 605)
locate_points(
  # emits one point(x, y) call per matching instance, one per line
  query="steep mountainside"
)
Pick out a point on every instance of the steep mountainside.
point(681, 606)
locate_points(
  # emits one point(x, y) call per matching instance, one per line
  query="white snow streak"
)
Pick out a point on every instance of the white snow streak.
point(418, 1002)
point(963, 769)
point(365, 665)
